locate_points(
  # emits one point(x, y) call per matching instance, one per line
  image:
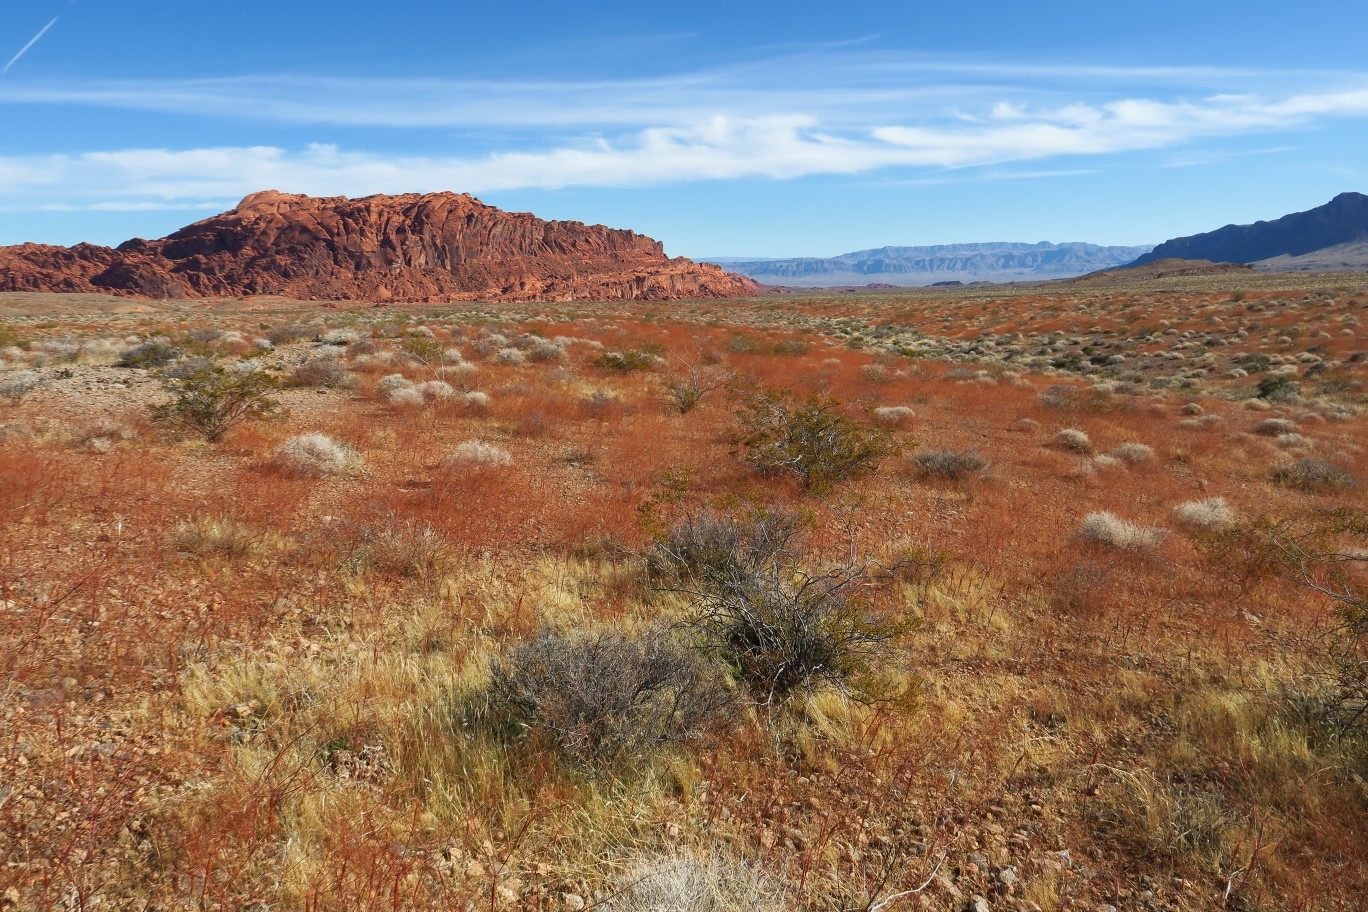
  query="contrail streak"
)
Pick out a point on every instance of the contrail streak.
point(28, 47)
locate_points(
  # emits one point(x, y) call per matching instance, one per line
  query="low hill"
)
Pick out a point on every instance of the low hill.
point(415, 247)
point(1343, 220)
point(916, 266)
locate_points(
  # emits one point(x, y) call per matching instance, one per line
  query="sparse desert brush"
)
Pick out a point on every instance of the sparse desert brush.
point(1133, 453)
point(157, 351)
point(698, 881)
point(689, 386)
point(477, 402)
point(100, 434)
point(1292, 441)
point(608, 701)
point(893, 415)
point(807, 439)
point(1073, 439)
point(390, 542)
point(323, 372)
point(1213, 513)
point(546, 350)
point(477, 454)
point(1273, 427)
point(714, 550)
point(210, 401)
point(786, 629)
point(627, 361)
point(315, 454)
point(437, 390)
point(1204, 423)
point(460, 372)
point(1110, 529)
point(509, 355)
point(1315, 475)
point(289, 332)
point(401, 392)
point(221, 536)
point(16, 386)
point(340, 337)
point(947, 465)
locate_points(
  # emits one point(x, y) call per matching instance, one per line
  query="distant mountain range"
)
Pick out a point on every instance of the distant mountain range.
point(912, 266)
point(1329, 238)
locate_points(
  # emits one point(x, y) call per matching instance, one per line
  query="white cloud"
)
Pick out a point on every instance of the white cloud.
point(770, 146)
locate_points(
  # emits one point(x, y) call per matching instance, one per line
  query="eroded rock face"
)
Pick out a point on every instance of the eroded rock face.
point(432, 247)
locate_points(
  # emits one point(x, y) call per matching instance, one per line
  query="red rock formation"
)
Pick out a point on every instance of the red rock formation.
point(417, 247)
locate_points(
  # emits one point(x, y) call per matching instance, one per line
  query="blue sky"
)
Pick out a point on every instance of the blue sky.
point(722, 129)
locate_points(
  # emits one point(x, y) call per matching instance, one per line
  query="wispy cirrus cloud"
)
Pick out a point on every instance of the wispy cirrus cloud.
point(840, 86)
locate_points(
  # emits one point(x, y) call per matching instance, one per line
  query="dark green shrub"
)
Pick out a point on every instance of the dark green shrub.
point(210, 401)
point(1278, 388)
point(807, 439)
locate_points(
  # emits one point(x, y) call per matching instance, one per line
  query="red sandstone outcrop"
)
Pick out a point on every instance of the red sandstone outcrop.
point(416, 247)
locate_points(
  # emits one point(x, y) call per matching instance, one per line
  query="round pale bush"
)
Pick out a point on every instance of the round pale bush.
point(392, 382)
point(16, 386)
point(315, 454)
point(893, 414)
point(436, 389)
point(1074, 439)
point(453, 356)
point(405, 396)
point(480, 454)
point(1273, 427)
point(1212, 513)
point(341, 337)
point(510, 356)
point(477, 401)
point(1107, 462)
point(460, 371)
point(1292, 441)
point(1133, 453)
point(1192, 408)
point(1110, 529)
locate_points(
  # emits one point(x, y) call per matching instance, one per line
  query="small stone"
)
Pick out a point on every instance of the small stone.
point(979, 904)
point(1007, 876)
point(572, 901)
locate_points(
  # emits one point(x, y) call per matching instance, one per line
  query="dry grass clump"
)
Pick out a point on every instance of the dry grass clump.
point(18, 385)
point(1214, 513)
point(316, 454)
point(893, 415)
point(1292, 441)
point(1316, 475)
point(478, 454)
point(1073, 439)
point(948, 465)
point(1273, 427)
point(698, 882)
point(210, 535)
point(1133, 453)
point(606, 700)
point(401, 545)
point(1110, 529)
point(340, 337)
point(323, 372)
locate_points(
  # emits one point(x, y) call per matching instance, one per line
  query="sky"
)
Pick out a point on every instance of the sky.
point(722, 129)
